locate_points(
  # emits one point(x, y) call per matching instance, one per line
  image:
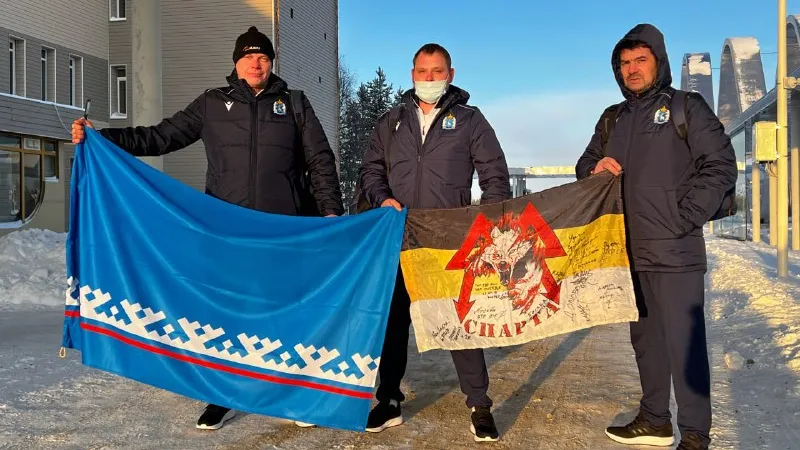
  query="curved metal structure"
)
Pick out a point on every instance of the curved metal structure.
point(696, 75)
point(741, 78)
point(792, 43)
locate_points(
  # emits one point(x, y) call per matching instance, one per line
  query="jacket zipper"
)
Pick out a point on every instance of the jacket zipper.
point(253, 154)
point(421, 151)
point(633, 112)
point(418, 178)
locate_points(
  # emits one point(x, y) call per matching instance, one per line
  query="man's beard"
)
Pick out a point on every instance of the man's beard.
point(643, 89)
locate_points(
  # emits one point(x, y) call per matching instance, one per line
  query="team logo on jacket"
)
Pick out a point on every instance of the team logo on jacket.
point(449, 122)
point(228, 105)
point(279, 107)
point(662, 116)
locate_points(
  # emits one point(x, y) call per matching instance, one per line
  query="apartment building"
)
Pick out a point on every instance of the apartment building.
point(137, 61)
point(46, 73)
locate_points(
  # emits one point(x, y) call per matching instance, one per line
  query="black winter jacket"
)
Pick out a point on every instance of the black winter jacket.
point(255, 155)
point(438, 173)
point(670, 189)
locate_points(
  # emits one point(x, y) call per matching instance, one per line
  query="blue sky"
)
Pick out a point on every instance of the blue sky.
point(541, 71)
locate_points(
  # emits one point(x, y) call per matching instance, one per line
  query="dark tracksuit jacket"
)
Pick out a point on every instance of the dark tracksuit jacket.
point(256, 158)
point(438, 173)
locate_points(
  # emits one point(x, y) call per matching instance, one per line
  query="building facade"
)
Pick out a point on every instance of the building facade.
point(112, 53)
point(46, 73)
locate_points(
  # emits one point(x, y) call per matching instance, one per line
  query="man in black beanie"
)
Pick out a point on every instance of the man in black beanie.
point(261, 153)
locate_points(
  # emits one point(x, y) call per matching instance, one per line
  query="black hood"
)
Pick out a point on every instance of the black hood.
point(651, 36)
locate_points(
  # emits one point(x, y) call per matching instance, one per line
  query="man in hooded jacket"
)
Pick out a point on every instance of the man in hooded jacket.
point(671, 188)
point(257, 155)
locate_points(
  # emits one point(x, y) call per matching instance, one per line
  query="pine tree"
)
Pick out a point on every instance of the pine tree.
point(349, 156)
point(398, 96)
point(358, 116)
point(375, 98)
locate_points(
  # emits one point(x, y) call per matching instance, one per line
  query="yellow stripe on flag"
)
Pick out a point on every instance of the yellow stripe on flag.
point(600, 244)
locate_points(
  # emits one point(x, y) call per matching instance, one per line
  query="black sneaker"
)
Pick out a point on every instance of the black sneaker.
point(483, 426)
point(691, 442)
point(214, 417)
point(384, 415)
point(642, 432)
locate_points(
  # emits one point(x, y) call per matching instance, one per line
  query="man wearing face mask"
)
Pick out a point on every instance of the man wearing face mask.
point(257, 154)
point(436, 146)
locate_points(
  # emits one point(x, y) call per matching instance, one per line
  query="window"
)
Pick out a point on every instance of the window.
point(44, 75)
point(291, 13)
point(75, 80)
point(119, 94)
point(72, 81)
point(50, 170)
point(16, 57)
point(25, 163)
point(117, 9)
point(48, 85)
point(12, 76)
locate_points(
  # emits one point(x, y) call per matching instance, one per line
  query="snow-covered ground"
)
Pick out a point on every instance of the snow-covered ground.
point(32, 269)
point(557, 393)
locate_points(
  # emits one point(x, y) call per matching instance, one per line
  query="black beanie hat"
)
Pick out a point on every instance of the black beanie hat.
point(253, 42)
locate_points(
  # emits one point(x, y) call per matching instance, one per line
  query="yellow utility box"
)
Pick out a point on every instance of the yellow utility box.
point(765, 137)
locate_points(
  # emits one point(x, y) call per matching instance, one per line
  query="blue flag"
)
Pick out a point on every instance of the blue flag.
point(275, 315)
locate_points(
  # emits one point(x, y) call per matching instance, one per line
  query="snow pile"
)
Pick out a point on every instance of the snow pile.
point(32, 268)
point(761, 313)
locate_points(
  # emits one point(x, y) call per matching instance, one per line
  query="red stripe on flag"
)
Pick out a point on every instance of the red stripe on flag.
point(72, 313)
point(220, 367)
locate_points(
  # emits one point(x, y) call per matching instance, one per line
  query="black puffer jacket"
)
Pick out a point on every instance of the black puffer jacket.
point(255, 156)
point(671, 187)
point(438, 173)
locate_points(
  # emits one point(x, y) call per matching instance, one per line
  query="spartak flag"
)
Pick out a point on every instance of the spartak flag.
point(508, 273)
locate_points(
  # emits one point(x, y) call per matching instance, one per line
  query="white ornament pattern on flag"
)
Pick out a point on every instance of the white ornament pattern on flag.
point(205, 340)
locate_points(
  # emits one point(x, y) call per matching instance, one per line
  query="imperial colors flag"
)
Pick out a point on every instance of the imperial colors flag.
point(524, 269)
point(275, 315)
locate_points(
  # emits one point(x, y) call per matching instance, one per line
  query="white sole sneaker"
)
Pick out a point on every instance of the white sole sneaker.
point(482, 439)
point(228, 416)
point(388, 424)
point(304, 424)
point(644, 440)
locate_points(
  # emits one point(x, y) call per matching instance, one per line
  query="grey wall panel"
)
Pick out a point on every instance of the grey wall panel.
point(308, 56)
point(197, 45)
point(84, 28)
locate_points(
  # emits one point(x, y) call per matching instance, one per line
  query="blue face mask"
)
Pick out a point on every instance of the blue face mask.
point(430, 91)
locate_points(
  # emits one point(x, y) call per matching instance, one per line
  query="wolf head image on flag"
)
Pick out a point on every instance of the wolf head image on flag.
point(275, 315)
point(524, 269)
